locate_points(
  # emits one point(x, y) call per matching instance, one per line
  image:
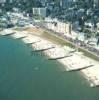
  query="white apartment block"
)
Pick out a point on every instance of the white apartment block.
point(39, 11)
point(59, 27)
point(2, 1)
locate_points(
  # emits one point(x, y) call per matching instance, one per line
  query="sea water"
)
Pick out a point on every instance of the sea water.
point(26, 75)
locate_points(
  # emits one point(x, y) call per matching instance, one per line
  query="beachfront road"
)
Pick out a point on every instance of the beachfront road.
point(75, 42)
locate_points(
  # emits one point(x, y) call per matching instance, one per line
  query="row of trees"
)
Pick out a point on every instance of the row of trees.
point(23, 5)
point(87, 5)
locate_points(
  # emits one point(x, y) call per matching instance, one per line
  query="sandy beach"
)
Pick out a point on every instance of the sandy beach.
point(72, 61)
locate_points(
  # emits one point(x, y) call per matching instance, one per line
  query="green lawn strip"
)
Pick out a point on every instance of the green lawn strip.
point(58, 40)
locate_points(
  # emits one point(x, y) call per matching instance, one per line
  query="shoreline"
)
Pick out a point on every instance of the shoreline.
point(76, 61)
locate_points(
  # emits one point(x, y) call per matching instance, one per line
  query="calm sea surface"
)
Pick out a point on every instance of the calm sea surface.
point(25, 75)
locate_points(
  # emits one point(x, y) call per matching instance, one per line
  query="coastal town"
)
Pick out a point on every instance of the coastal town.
point(64, 30)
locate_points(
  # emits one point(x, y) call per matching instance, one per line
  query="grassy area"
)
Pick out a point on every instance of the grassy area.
point(86, 53)
point(58, 40)
point(22, 28)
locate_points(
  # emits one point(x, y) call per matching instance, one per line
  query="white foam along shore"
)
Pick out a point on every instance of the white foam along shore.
point(73, 61)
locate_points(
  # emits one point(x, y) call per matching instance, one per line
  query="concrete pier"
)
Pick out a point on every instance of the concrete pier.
point(21, 38)
point(78, 69)
point(19, 35)
point(7, 32)
point(33, 42)
point(30, 40)
point(43, 49)
point(60, 57)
